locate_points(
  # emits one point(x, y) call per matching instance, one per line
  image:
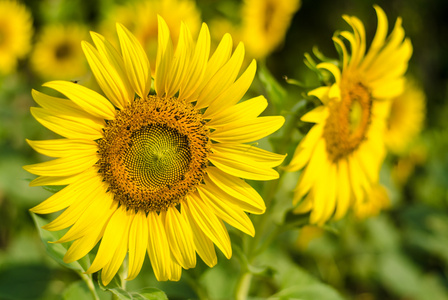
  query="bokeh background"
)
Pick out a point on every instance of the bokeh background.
point(402, 253)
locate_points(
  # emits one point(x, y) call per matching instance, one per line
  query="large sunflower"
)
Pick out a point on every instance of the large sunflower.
point(342, 153)
point(156, 171)
point(16, 30)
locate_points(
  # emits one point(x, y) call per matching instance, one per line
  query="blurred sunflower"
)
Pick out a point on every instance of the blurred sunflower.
point(160, 171)
point(141, 19)
point(16, 31)
point(342, 153)
point(406, 118)
point(57, 53)
point(265, 23)
point(376, 201)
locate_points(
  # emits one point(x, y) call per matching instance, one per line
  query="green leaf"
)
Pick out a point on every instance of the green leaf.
point(55, 250)
point(275, 92)
point(150, 294)
point(77, 290)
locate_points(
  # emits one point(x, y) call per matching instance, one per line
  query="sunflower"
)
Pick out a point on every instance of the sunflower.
point(265, 23)
point(141, 19)
point(16, 30)
point(376, 201)
point(342, 153)
point(154, 170)
point(57, 53)
point(406, 118)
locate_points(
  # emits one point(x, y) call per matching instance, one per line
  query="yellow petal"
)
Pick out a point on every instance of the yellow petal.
point(107, 77)
point(207, 221)
point(135, 62)
point(234, 93)
point(317, 115)
point(229, 213)
point(204, 246)
point(68, 126)
point(198, 65)
point(333, 69)
point(240, 192)
point(114, 237)
point(180, 239)
point(343, 190)
point(64, 166)
point(247, 131)
point(164, 56)
point(89, 100)
point(67, 195)
point(246, 110)
point(64, 147)
point(158, 248)
point(138, 241)
point(222, 80)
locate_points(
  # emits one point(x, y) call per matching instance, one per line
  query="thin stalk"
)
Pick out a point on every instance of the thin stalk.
point(88, 280)
point(243, 286)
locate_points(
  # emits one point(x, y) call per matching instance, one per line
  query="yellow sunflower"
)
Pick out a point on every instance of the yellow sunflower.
point(16, 30)
point(373, 204)
point(156, 171)
point(342, 153)
point(406, 118)
point(57, 53)
point(141, 19)
point(265, 23)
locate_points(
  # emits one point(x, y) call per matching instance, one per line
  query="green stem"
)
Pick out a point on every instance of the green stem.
point(88, 280)
point(243, 286)
point(194, 284)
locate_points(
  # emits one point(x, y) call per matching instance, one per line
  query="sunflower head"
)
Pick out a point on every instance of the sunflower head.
point(16, 30)
point(342, 154)
point(156, 170)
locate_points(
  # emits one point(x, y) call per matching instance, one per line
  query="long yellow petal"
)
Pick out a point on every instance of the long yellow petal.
point(164, 57)
point(112, 57)
point(180, 238)
point(198, 65)
point(64, 147)
point(223, 79)
point(112, 238)
point(246, 110)
point(244, 169)
point(107, 77)
point(204, 246)
point(68, 126)
point(232, 215)
point(135, 62)
point(343, 190)
point(89, 100)
point(138, 241)
point(67, 195)
point(240, 192)
point(246, 153)
point(64, 166)
point(158, 248)
point(247, 131)
point(207, 221)
point(234, 93)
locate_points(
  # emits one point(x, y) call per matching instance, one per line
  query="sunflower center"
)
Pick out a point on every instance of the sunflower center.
point(348, 121)
point(63, 50)
point(154, 153)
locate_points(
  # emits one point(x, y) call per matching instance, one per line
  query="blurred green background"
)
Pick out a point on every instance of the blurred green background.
point(400, 254)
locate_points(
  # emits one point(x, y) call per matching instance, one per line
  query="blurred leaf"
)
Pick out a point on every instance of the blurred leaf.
point(275, 92)
point(150, 294)
point(24, 282)
point(55, 250)
point(77, 290)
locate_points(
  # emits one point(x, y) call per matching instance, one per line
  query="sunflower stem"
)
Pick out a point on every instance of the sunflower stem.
point(88, 280)
point(243, 286)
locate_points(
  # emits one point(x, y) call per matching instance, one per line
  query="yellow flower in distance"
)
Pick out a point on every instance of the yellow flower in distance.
point(265, 23)
point(156, 171)
point(57, 53)
point(342, 154)
point(406, 118)
point(16, 30)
